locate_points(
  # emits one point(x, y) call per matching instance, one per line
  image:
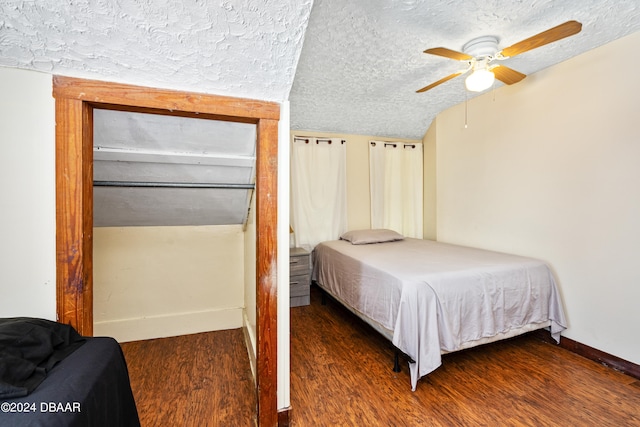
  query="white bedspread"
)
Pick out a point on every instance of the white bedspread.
point(437, 297)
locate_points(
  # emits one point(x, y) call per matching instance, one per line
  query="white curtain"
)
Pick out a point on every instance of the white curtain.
point(396, 182)
point(318, 190)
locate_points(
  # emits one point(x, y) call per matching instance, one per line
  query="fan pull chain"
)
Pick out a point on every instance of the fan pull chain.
point(465, 108)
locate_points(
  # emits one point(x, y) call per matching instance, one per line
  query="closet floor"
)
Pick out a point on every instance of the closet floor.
point(192, 380)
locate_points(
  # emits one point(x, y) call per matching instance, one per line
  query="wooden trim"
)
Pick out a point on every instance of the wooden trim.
point(74, 215)
point(124, 95)
point(266, 241)
point(601, 357)
point(606, 359)
point(75, 100)
point(284, 417)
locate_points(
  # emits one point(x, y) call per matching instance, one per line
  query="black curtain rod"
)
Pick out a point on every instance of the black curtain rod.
point(172, 185)
point(394, 144)
point(306, 139)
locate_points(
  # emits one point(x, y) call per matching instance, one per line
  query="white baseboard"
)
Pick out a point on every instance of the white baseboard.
point(170, 325)
point(250, 340)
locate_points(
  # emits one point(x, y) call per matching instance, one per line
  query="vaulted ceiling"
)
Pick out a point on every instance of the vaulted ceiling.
point(362, 60)
point(346, 66)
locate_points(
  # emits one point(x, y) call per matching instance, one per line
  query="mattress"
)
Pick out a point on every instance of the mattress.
point(435, 298)
point(88, 388)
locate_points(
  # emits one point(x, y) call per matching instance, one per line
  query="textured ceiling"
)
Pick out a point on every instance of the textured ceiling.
point(358, 69)
point(242, 48)
point(363, 60)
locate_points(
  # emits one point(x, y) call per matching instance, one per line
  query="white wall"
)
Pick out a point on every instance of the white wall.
point(430, 198)
point(551, 169)
point(27, 195)
point(152, 282)
point(284, 348)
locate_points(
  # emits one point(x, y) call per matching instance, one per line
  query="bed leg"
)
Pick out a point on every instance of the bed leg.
point(396, 362)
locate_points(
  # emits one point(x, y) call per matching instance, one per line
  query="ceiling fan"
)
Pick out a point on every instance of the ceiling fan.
point(480, 53)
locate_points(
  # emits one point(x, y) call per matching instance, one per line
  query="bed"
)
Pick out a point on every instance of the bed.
point(431, 298)
point(78, 381)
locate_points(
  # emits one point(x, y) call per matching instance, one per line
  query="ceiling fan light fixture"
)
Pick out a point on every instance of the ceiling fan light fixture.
point(481, 79)
point(480, 52)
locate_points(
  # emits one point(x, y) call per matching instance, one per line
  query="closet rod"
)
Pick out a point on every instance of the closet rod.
point(171, 185)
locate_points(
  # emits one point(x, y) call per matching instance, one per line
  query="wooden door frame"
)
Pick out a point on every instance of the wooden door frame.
point(75, 100)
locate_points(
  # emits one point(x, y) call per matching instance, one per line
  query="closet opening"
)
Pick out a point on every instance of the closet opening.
point(76, 103)
point(171, 199)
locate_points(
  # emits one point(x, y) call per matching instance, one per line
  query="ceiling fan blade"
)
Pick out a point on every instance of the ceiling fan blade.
point(432, 85)
point(507, 75)
point(448, 53)
point(567, 29)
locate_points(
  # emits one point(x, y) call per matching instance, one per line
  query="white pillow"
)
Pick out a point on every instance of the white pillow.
point(364, 237)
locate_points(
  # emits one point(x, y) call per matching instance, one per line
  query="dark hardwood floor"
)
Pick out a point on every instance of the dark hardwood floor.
point(192, 380)
point(341, 376)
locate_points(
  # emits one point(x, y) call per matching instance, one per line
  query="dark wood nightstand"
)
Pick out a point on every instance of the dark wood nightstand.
point(299, 277)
